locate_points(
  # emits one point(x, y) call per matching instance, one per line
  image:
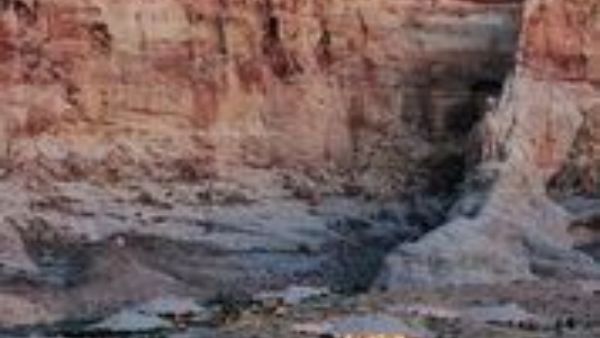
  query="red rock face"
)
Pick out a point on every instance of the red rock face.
point(217, 84)
point(561, 43)
point(561, 39)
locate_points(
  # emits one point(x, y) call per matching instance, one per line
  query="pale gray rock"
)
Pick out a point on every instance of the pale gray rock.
point(425, 310)
point(371, 325)
point(173, 307)
point(292, 295)
point(130, 321)
point(518, 233)
point(501, 314)
point(590, 286)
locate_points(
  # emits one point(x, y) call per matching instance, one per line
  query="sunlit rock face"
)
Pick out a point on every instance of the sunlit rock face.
point(561, 39)
point(568, 49)
point(186, 89)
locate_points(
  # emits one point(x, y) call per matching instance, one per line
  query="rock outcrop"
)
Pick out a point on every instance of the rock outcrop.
point(508, 228)
point(160, 148)
point(190, 148)
point(182, 89)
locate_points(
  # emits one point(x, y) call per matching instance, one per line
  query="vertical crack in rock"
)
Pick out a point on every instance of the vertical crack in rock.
point(283, 63)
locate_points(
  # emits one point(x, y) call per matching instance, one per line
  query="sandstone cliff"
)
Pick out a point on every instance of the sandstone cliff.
point(186, 89)
point(202, 148)
point(182, 146)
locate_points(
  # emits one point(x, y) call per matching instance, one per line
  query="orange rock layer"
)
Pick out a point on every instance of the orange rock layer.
point(185, 88)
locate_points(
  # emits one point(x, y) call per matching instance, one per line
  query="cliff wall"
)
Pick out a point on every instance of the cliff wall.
point(190, 89)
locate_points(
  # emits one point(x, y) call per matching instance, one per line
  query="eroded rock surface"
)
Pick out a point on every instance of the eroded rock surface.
point(200, 148)
point(514, 231)
point(214, 149)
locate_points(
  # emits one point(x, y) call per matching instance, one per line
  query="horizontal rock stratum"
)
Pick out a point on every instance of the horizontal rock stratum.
point(177, 88)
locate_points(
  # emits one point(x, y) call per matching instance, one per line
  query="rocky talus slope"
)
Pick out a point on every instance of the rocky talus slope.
point(212, 149)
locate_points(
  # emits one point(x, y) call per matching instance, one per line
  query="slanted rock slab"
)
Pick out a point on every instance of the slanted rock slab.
point(128, 321)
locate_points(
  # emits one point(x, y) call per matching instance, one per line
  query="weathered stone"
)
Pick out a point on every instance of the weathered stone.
point(195, 146)
point(518, 232)
point(507, 314)
point(181, 89)
point(129, 321)
point(292, 295)
point(173, 307)
point(17, 310)
point(363, 327)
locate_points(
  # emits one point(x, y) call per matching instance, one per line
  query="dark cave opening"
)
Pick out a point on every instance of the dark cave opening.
point(272, 29)
point(463, 117)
